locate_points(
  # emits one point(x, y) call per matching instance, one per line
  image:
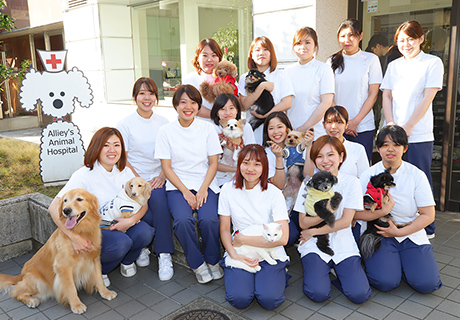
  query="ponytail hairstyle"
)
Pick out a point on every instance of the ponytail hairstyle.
point(337, 61)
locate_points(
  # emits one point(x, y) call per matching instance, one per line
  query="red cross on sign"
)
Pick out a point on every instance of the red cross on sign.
point(53, 61)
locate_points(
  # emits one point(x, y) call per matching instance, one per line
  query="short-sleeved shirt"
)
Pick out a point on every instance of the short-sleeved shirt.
point(412, 191)
point(139, 135)
point(188, 148)
point(352, 85)
point(341, 241)
point(254, 206)
point(309, 82)
point(407, 79)
point(101, 183)
point(282, 89)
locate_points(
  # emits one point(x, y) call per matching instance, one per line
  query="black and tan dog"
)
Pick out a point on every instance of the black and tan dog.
point(264, 103)
point(322, 201)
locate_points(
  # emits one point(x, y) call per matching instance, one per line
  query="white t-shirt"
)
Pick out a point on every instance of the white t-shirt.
point(254, 206)
point(309, 82)
point(341, 241)
point(282, 89)
point(188, 148)
point(248, 138)
point(101, 183)
point(195, 80)
point(412, 191)
point(407, 79)
point(352, 85)
point(139, 135)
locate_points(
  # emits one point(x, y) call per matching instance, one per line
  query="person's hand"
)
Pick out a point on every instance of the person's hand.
point(250, 262)
point(386, 208)
point(257, 115)
point(268, 85)
point(80, 244)
point(277, 150)
point(190, 198)
point(201, 197)
point(236, 242)
point(308, 139)
point(305, 235)
point(157, 182)
point(408, 129)
point(351, 128)
point(390, 231)
point(122, 225)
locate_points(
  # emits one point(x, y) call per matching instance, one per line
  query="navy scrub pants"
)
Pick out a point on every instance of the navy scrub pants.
point(124, 247)
point(420, 155)
point(403, 260)
point(351, 278)
point(267, 285)
point(158, 216)
point(184, 228)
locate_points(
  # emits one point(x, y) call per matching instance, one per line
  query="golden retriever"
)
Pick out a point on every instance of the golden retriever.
point(56, 270)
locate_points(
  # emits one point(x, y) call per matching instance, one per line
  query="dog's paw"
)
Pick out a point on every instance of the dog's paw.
point(109, 295)
point(78, 308)
point(33, 302)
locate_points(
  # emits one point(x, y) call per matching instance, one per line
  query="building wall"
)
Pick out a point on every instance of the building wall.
point(44, 12)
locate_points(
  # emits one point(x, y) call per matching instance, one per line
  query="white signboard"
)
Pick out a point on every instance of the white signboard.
point(58, 91)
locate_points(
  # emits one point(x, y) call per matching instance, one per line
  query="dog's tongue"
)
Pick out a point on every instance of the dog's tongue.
point(71, 222)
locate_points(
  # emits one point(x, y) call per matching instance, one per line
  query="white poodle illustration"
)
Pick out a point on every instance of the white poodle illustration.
point(57, 91)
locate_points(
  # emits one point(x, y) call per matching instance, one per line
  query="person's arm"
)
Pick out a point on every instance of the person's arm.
point(174, 179)
point(225, 168)
point(202, 193)
point(342, 223)
point(279, 179)
point(365, 109)
point(79, 243)
point(204, 112)
point(387, 106)
point(226, 237)
point(368, 215)
point(126, 223)
point(425, 217)
point(420, 110)
point(306, 221)
point(248, 101)
point(158, 181)
point(259, 241)
point(282, 106)
point(318, 114)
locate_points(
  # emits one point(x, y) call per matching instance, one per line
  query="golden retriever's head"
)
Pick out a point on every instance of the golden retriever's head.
point(79, 207)
point(224, 68)
point(138, 189)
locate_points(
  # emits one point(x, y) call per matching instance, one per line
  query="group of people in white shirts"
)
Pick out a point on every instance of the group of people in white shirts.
point(180, 161)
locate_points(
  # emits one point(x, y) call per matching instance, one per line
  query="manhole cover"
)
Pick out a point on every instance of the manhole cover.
point(201, 314)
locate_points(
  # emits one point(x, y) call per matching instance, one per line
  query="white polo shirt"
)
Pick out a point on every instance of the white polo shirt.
point(188, 148)
point(352, 85)
point(407, 79)
point(309, 82)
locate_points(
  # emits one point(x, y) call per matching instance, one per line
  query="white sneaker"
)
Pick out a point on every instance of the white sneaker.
point(165, 267)
point(144, 258)
point(202, 273)
point(106, 280)
point(128, 270)
point(216, 271)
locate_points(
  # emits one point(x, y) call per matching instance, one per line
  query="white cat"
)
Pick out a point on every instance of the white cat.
point(271, 232)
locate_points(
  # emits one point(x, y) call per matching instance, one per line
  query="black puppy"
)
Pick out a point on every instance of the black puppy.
point(376, 194)
point(264, 103)
point(318, 199)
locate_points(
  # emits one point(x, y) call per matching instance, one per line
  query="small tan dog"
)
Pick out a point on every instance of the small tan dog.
point(293, 153)
point(225, 82)
point(56, 270)
point(128, 201)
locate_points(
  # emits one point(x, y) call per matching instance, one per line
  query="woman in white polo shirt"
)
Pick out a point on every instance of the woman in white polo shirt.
point(263, 58)
point(409, 87)
point(313, 84)
point(358, 75)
